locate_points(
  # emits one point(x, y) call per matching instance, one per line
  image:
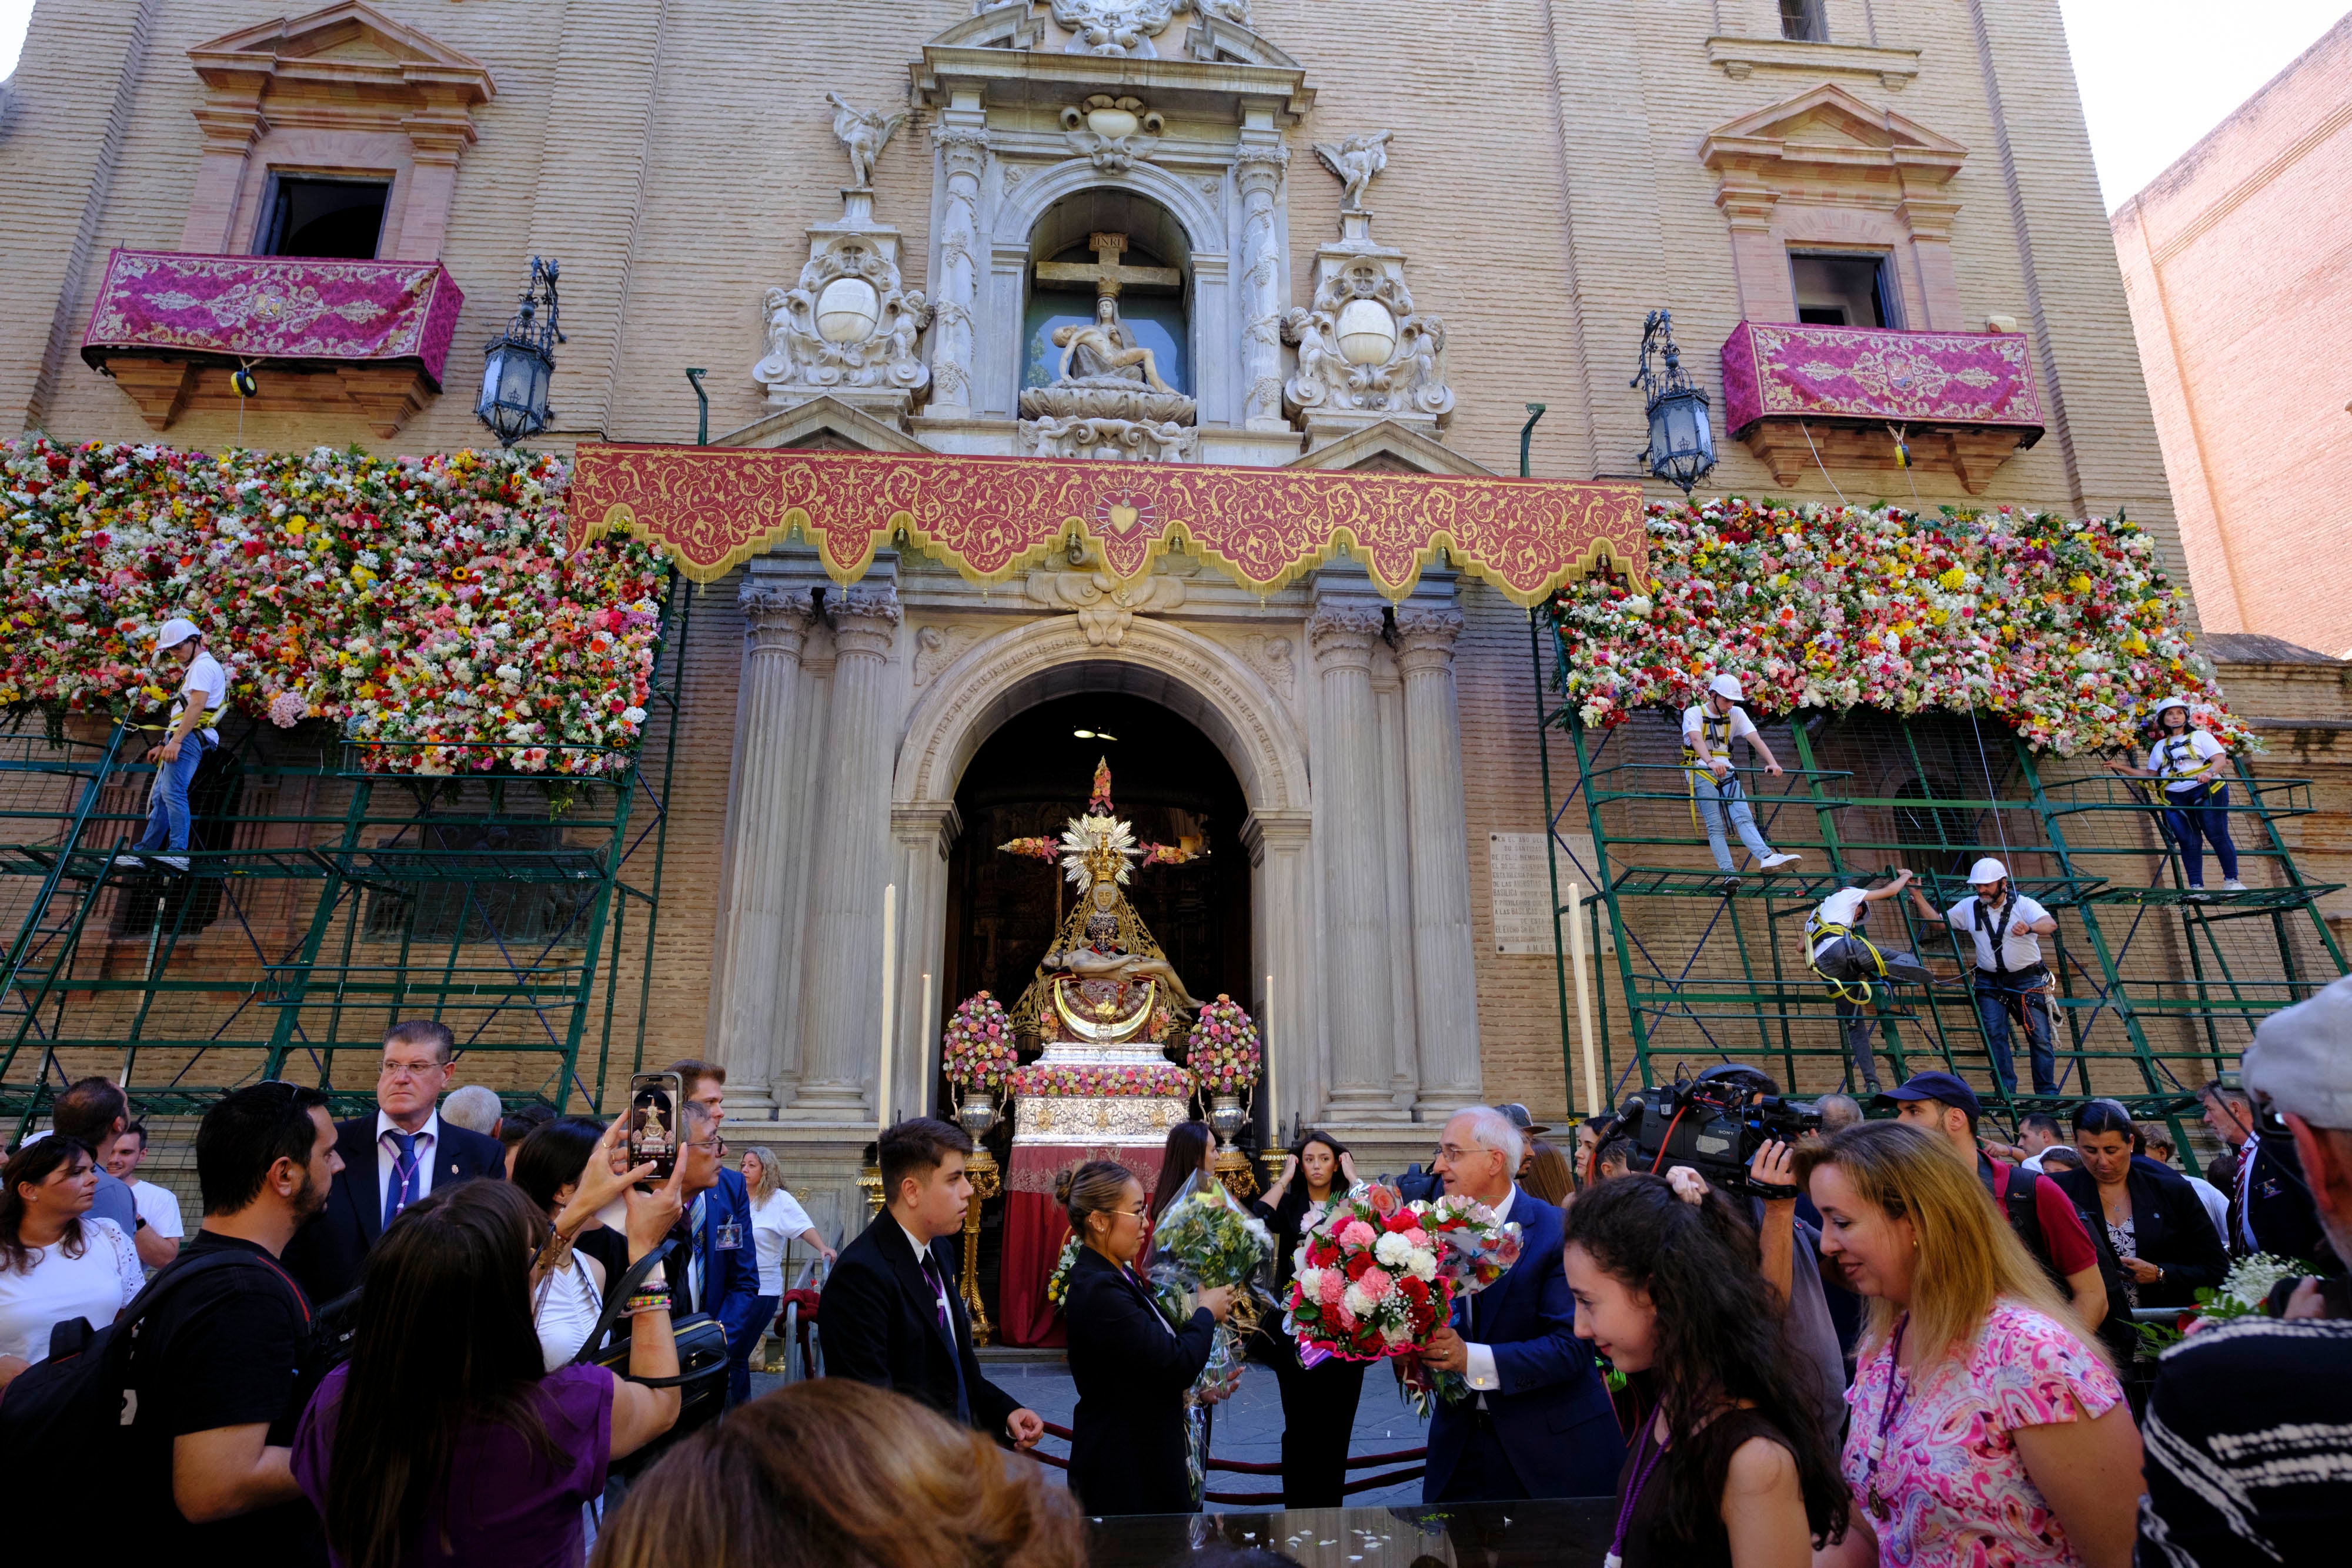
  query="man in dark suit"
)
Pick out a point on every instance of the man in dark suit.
point(2271, 1207)
point(890, 1312)
point(714, 1269)
point(725, 1226)
point(391, 1159)
point(1538, 1422)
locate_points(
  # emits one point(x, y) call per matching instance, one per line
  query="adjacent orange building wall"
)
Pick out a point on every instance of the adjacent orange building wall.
point(2238, 264)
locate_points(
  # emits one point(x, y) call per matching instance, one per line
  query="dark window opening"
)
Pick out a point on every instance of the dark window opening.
point(1844, 290)
point(338, 218)
point(521, 912)
point(1803, 21)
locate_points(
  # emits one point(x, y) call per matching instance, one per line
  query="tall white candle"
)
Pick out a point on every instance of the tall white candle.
point(1592, 1107)
point(924, 1037)
point(1266, 1049)
point(889, 968)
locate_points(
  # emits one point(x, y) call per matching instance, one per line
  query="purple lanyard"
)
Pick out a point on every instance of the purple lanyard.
point(1898, 1395)
point(1641, 1470)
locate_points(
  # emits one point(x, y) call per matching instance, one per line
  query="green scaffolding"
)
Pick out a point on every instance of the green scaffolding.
point(2159, 986)
point(324, 900)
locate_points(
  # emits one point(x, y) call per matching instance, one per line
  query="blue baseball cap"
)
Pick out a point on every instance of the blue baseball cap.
point(1939, 1086)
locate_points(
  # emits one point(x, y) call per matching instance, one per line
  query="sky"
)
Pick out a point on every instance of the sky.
point(2156, 75)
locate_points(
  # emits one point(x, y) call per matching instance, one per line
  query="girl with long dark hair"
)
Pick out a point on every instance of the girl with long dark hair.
point(56, 1262)
point(1319, 1402)
point(1734, 1467)
point(445, 1438)
point(1186, 1154)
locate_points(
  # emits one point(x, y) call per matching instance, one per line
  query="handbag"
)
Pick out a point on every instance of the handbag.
point(701, 1379)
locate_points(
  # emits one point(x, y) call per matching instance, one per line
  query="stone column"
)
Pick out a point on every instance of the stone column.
point(1444, 956)
point(759, 805)
point(1258, 171)
point(841, 1001)
point(1404, 1062)
point(1348, 812)
point(963, 154)
point(921, 837)
point(1282, 898)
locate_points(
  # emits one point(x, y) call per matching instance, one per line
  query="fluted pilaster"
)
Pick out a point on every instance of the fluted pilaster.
point(1445, 952)
point(1356, 905)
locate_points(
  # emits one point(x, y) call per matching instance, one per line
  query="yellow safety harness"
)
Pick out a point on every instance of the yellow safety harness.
point(1818, 931)
point(1717, 728)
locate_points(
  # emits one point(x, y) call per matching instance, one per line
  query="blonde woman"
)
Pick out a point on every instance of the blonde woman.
point(1984, 1427)
point(777, 1218)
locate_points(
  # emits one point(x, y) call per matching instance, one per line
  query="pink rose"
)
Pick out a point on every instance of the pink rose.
point(1384, 1201)
point(1357, 1234)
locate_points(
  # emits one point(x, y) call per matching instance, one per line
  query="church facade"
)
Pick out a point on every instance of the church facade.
point(1248, 234)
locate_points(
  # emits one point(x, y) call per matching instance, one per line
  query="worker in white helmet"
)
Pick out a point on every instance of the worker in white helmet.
point(2195, 769)
point(2010, 973)
point(1839, 949)
point(1708, 730)
point(204, 688)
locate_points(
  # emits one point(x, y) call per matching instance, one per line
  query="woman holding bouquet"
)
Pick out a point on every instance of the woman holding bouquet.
point(1732, 1467)
point(1129, 1453)
point(1319, 1402)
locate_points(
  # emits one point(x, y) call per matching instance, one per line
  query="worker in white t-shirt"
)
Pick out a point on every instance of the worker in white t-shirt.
point(2195, 769)
point(1708, 730)
point(1839, 951)
point(204, 687)
point(2010, 973)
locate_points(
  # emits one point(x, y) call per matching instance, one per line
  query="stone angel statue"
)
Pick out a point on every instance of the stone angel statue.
point(1355, 162)
point(864, 133)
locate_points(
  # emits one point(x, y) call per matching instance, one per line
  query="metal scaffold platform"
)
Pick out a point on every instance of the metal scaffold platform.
point(324, 900)
point(2159, 986)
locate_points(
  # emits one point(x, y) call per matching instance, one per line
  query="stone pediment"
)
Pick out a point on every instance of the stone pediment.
point(1216, 32)
point(1829, 127)
point(347, 48)
point(1389, 447)
point(825, 424)
point(1011, 56)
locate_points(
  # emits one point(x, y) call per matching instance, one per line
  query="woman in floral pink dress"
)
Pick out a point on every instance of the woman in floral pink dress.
point(1986, 1432)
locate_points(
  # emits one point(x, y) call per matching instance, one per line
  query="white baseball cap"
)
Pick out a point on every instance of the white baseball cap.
point(2301, 1058)
point(1987, 870)
point(1725, 686)
point(177, 631)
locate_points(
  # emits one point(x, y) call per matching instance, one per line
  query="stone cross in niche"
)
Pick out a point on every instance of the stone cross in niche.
point(1106, 271)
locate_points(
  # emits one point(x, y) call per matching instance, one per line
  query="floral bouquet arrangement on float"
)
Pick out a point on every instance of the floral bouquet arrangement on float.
point(1380, 1276)
point(977, 1050)
point(1223, 1050)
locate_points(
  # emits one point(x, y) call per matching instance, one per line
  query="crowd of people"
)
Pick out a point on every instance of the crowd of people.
point(1901, 1342)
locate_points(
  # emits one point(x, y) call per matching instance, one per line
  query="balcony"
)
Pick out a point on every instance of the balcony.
point(363, 337)
point(1963, 401)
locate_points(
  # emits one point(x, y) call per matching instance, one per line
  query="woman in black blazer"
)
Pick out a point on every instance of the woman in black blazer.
point(1319, 1402)
point(2143, 1216)
point(1128, 1447)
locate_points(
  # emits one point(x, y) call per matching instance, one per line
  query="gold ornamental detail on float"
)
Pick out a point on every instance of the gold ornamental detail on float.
point(1093, 1020)
point(1141, 1121)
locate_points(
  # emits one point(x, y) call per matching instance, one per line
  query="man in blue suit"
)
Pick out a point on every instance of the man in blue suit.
point(718, 1221)
point(1538, 1422)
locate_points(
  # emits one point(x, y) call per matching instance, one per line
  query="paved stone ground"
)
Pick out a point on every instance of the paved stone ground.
point(1248, 1426)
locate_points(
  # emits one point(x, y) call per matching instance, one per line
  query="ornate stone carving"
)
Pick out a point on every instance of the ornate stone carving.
point(1341, 635)
point(1126, 27)
point(1356, 161)
point(1276, 659)
point(963, 155)
point(937, 647)
point(1257, 171)
point(1105, 608)
point(1361, 306)
point(1135, 440)
point(865, 620)
point(775, 619)
point(847, 324)
point(1112, 133)
point(864, 133)
point(1425, 636)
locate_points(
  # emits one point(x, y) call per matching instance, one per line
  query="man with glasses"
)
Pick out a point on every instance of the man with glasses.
point(391, 1159)
point(722, 1223)
point(720, 1273)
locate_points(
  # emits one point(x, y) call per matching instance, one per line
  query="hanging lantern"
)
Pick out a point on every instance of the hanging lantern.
point(518, 366)
point(1682, 436)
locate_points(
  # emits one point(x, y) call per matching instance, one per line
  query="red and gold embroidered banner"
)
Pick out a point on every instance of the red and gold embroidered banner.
point(715, 506)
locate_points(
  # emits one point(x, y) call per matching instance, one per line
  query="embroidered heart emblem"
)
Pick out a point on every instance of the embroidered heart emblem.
point(1123, 517)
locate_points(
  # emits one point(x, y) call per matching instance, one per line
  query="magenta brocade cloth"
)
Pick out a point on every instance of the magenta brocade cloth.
point(1035, 1226)
point(274, 307)
point(1788, 370)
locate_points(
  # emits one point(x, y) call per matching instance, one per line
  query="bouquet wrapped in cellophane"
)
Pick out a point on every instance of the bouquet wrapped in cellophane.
point(1204, 1239)
point(1376, 1279)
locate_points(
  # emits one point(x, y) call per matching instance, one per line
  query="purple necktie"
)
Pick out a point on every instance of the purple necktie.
point(939, 1292)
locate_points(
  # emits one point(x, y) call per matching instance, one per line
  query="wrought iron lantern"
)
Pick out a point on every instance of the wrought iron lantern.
point(1682, 436)
point(518, 365)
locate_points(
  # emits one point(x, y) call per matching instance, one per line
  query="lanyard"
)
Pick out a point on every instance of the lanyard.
point(1898, 1395)
point(1641, 1470)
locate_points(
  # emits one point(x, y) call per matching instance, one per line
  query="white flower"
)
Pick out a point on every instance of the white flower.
point(1424, 1264)
point(1310, 1284)
point(1356, 1302)
point(1396, 1333)
point(1391, 1249)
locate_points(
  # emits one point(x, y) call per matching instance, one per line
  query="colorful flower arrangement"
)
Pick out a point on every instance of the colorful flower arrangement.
point(427, 605)
point(977, 1050)
point(1205, 1238)
point(1222, 1047)
point(1057, 1283)
point(2242, 1293)
point(2067, 629)
point(1160, 1080)
point(1379, 1275)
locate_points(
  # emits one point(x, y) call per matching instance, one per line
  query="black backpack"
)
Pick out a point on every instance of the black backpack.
point(64, 1422)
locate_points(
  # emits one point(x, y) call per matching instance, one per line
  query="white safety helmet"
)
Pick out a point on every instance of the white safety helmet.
point(1987, 870)
point(1725, 686)
point(2176, 700)
point(177, 631)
